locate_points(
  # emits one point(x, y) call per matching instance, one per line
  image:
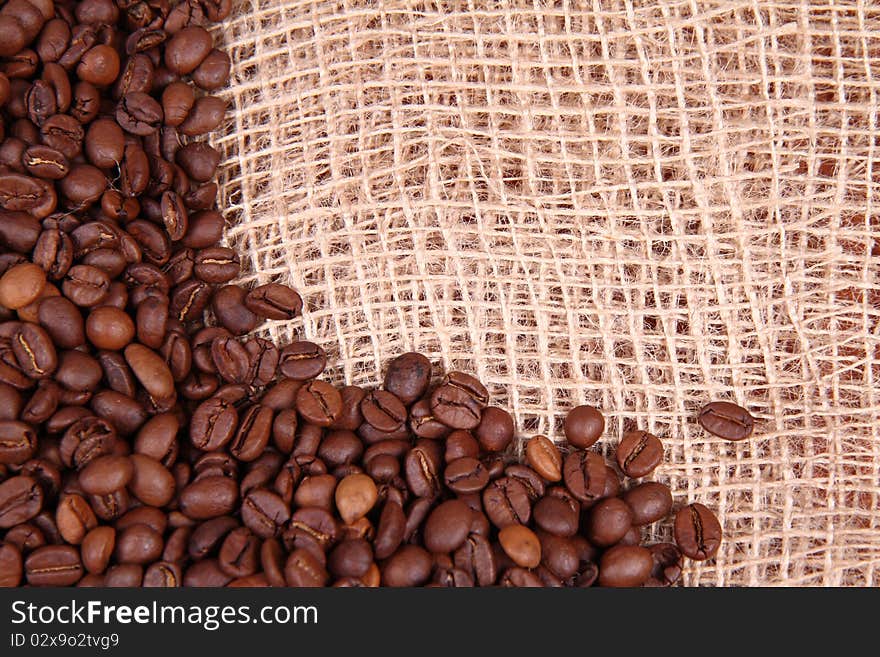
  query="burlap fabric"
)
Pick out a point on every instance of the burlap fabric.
point(638, 204)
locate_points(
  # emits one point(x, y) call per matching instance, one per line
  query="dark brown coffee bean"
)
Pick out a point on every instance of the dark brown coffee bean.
point(495, 431)
point(726, 420)
point(455, 407)
point(466, 475)
point(99, 66)
point(302, 360)
point(584, 475)
point(151, 482)
point(423, 423)
point(697, 532)
point(138, 113)
point(303, 569)
point(638, 453)
point(274, 301)
point(351, 558)
point(650, 502)
point(34, 351)
point(187, 49)
point(104, 143)
point(213, 424)
point(422, 469)
point(409, 566)
point(447, 526)
point(253, 434)
point(62, 322)
point(264, 512)
point(97, 549)
point(209, 497)
point(85, 440)
point(475, 557)
point(408, 377)
point(198, 159)
point(609, 520)
point(557, 516)
point(383, 410)
point(240, 553)
point(106, 474)
point(319, 403)
point(11, 565)
point(530, 479)
point(213, 72)
point(85, 285)
point(138, 544)
point(625, 566)
point(583, 426)
point(310, 527)
point(216, 264)
point(506, 502)
point(45, 162)
point(18, 441)
point(163, 574)
point(390, 530)
point(667, 565)
point(53, 565)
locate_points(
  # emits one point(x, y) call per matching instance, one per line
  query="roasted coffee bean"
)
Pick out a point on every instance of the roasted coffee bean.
point(97, 549)
point(187, 49)
point(726, 420)
point(638, 453)
point(138, 113)
point(209, 497)
point(355, 495)
point(609, 521)
point(11, 566)
point(139, 544)
point(583, 426)
point(53, 565)
point(162, 574)
point(74, 518)
point(697, 532)
point(274, 301)
point(466, 475)
point(521, 545)
point(532, 481)
point(106, 474)
point(584, 475)
point(240, 553)
point(264, 512)
point(649, 502)
point(409, 566)
point(455, 407)
point(310, 527)
point(495, 430)
point(625, 566)
point(302, 360)
point(213, 72)
point(253, 433)
point(544, 457)
point(151, 482)
point(383, 411)
point(302, 568)
point(557, 516)
point(506, 502)
point(423, 423)
point(18, 441)
point(667, 565)
point(213, 424)
point(216, 264)
point(422, 469)
point(85, 285)
point(21, 285)
point(447, 526)
point(408, 377)
point(319, 403)
point(21, 498)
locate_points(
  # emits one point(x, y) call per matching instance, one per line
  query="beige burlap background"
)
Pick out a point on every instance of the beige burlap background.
point(639, 204)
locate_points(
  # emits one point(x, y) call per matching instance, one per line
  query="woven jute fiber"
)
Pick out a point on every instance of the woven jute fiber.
point(637, 204)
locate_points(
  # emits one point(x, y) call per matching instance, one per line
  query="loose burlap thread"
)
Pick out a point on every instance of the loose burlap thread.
point(636, 204)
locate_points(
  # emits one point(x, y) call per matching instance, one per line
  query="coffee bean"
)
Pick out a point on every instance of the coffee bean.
point(697, 532)
point(162, 574)
point(557, 516)
point(724, 419)
point(649, 502)
point(21, 498)
point(521, 545)
point(609, 520)
point(264, 512)
point(583, 426)
point(544, 457)
point(409, 566)
point(18, 441)
point(408, 377)
point(383, 411)
point(11, 566)
point(21, 285)
point(667, 565)
point(638, 453)
point(209, 497)
point(74, 518)
point(139, 544)
point(584, 475)
point(303, 569)
point(319, 403)
point(455, 407)
point(240, 553)
point(495, 431)
point(355, 495)
point(274, 301)
point(423, 423)
point(97, 549)
point(53, 565)
point(506, 502)
point(302, 360)
point(422, 465)
point(447, 526)
point(625, 566)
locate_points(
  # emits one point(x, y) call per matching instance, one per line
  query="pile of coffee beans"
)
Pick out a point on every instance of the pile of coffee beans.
point(148, 439)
